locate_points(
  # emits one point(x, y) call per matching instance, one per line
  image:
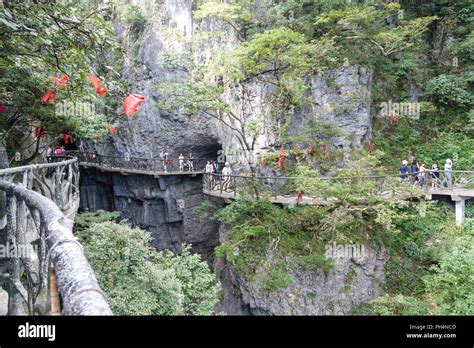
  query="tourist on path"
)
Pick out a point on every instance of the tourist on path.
point(164, 158)
point(226, 171)
point(422, 174)
point(434, 173)
point(181, 162)
point(209, 174)
point(404, 170)
point(190, 161)
point(448, 172)
point(414, 171)
point(49, 152)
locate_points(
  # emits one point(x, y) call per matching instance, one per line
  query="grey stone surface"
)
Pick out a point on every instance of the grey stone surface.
point(3, 302)
point(166, 206)
point(167, 210)
point(341, 97)
point(335, 292)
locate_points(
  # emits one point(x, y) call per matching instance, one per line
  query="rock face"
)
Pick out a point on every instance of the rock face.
point(152, 129)
point(3, 302)
point(336, 292)
point(341, 97)
point(165, 206)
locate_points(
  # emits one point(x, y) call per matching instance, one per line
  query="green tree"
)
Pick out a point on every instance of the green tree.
point(451, 281)
point(40, 40)
point(138, 280)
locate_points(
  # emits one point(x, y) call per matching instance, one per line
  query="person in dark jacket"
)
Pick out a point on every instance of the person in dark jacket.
point(404, 170)
point(414, 171)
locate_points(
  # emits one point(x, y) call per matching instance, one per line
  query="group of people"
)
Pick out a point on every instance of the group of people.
point(420, 173)
point(54, 151)
point(212, 171)
point(167, 161)
point(187, 162)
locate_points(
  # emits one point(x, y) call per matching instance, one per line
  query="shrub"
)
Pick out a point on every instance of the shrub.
point(132, 16)
point(393, 305)
point(451, 284)
point(141, 281)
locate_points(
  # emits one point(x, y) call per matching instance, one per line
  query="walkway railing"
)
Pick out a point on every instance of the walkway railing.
point(155, 165)
point(46, 270)
point(320, 190)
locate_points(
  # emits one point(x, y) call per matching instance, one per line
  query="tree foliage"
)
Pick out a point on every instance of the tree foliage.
point(40, 40)
point(139, 280)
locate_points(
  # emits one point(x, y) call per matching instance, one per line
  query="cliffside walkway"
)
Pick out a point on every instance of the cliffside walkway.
point(44, 260)
point(295, 190)
point(144, 166)
point(324, 190)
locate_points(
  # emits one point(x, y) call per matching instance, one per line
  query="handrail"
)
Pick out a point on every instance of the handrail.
point(316, 190)
point(20, 169)
point(151, 165)
point(37, 224)
point(77, 283)
point(344, 177)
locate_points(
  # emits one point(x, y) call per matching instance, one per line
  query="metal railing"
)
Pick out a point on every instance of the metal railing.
point(324, 188)
point(155, 165)
point(48, 272)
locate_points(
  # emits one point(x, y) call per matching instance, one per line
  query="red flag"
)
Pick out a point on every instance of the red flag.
point(131, 103)
point(62, 81)
point(282, 156)
point(112, 130)
point(326, 152)
point(37, 132)
point(372, 148)
point(96, 83)
point(2, 108)
point(48, 96)
point(70, 137)
point(94, 80)
point(101, 90)
point(65, 138)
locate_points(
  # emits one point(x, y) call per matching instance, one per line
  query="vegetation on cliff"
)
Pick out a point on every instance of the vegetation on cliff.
point(137, 279)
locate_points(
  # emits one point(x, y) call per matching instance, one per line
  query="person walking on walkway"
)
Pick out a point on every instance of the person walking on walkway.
point(434, 173)
point(190, 161)
point(164, 158)
point(448, 172)
point(49, 152)
point(209, 174)
point(422, 174)
point(181, 162)
point(404, 170)
point(226, 171)
point(414, 171)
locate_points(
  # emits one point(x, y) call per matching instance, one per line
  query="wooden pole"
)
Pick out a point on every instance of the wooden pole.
point(54, 293)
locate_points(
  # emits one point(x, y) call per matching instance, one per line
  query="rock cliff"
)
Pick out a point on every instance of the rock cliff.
point(337, 291)
point(165, 206)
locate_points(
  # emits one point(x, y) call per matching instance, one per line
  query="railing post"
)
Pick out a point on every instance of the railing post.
point(235, 186)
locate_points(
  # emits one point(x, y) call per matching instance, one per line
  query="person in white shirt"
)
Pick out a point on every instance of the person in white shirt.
point(208, 170)
point(225, 175)
point(49, 152)
point(181, 162)
point(448, 172)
